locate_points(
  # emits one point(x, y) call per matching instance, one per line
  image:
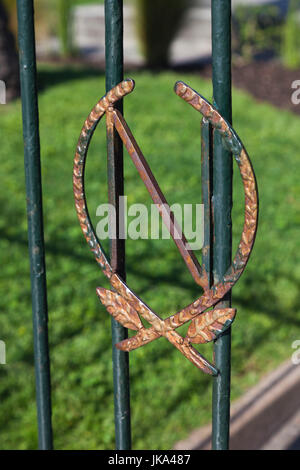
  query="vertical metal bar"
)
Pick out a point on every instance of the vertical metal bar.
point(35, 219)
point(222, 204)
point(206, 179)
point(114, 75)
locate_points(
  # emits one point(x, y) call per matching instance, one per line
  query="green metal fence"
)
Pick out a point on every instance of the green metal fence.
point(217, 199)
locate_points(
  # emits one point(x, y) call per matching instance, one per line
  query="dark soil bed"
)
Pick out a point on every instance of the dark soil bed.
point(266, 81)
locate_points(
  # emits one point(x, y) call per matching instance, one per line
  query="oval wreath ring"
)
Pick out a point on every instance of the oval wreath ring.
point(122, 303)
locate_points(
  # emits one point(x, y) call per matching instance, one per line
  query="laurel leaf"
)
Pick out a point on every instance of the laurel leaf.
point(120, 309)
point(210, 325)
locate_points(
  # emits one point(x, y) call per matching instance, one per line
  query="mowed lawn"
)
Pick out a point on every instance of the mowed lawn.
point(169, 396)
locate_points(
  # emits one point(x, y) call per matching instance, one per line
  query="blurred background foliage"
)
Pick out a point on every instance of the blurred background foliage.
point(257, 29)
point(268, 30)
point(290, 48)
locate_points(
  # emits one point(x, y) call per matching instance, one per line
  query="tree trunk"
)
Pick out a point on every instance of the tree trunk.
point(9, 63)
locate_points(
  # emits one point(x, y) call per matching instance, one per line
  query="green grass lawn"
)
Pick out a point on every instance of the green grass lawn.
point(169, 396)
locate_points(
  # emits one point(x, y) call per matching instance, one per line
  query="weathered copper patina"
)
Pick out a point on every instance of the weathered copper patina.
point(123, 304)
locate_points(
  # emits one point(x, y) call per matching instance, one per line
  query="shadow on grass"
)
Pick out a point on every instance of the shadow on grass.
point(49, 76)
point(261, 297)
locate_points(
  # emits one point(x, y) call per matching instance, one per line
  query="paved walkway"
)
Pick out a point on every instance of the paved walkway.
point(192, 41)
point(266, 417)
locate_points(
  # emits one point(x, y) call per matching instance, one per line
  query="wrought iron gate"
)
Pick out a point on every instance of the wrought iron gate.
point(218, 272)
